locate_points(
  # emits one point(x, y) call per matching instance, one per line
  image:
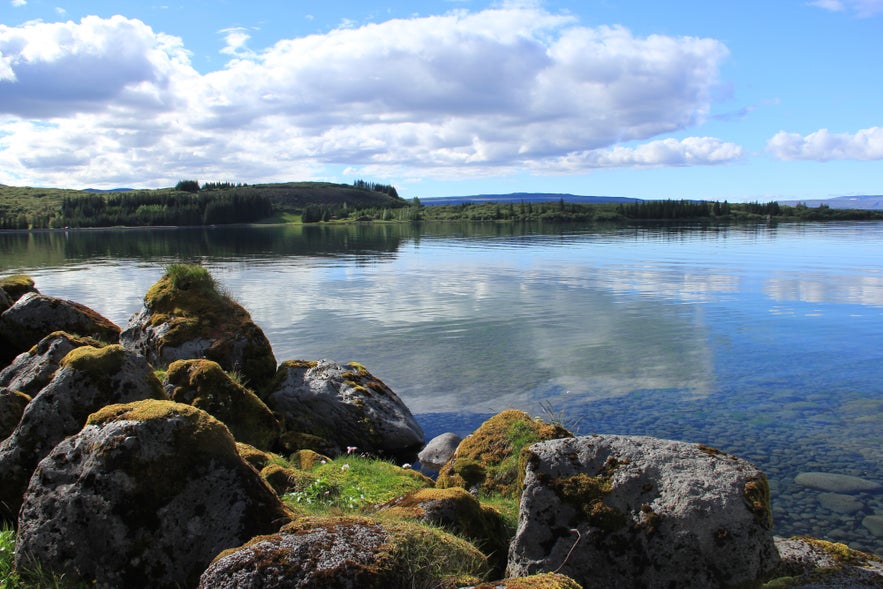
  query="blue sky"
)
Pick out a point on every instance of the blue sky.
point(684, 99)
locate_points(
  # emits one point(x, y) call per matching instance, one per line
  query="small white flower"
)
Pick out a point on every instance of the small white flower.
point(406, 465)
point(351, 449)
point(345, 467)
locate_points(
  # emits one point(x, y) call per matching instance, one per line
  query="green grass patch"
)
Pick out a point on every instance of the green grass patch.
point(352, 484)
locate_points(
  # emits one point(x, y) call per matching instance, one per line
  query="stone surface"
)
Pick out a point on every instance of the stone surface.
point(12, 407)
point(345, 405)
point(540, 581)
point(204, 384)
point(32, 370)
point(836, 483)
point(88, 379)
point(16, 286)
point(146, 495)
point(345, 552)
point(807, 563)
point(632, 511)
point(488, 460)
point(187, 317)
point(840, 503)
point(439, 450)
point(34, 316)
point(874, 523)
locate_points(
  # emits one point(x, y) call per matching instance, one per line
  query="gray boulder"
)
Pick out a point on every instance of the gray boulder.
point(12, 407)
point(32, 370)
point(146, 495)
point(345, 405)
point(88, 379)
point(34, 316)
point(185, 317)
point(632, 511)
point(439, 450)
point(5, 301)
point(808, 563)
point(347, 553)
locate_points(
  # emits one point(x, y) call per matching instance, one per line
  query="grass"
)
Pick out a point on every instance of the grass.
point(12, 579)
point(354, 484)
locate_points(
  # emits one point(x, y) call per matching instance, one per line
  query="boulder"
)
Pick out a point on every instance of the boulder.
point(347, 552)
point(540, 581)
point(204, 384)
point(836, 483)
point(186, 317)
point(345, 405)
point(32, 370)
point(808, 563)
point(487, 461)
point(12, 407)
point(5, 301)
point(633, 511)
point(16, 286)
point(88, 379)
point(460, 513)
point(34, 316)
point(146, 495)
point(439, 450)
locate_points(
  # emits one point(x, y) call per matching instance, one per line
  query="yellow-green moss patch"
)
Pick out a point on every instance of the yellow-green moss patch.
point(540, 581)
point(490, 458)
point(102, 361)
point(16, 285)
point(757, 497)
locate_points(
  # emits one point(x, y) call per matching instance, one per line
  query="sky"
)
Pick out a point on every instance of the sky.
point(739, 101)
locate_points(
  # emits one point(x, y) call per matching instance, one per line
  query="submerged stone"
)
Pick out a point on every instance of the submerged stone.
point(836, 483)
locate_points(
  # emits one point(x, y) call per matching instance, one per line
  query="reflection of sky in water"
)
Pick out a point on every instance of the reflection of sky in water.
point(764, 342)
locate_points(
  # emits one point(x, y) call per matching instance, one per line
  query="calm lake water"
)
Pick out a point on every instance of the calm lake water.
point(765, 342)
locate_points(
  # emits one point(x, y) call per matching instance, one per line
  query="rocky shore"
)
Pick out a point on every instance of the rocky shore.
point(176, 451)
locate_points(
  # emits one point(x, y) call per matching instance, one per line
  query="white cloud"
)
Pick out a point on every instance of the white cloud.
point(461, 94)
point(822, 145)
point(862, 8)
point(18, 3)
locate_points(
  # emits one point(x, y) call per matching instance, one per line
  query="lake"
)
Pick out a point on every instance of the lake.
point(763, 341)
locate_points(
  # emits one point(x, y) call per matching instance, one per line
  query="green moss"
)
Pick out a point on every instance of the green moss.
point(16, 285)
point(539, 581)
point(490, 458)
point(96, 361)
point(586, 494)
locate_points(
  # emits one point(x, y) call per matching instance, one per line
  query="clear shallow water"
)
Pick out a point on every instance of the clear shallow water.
point(762, 341)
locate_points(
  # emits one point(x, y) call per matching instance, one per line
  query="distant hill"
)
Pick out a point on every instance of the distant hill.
point(864, 201)
point(101, 191)
point(517, 197)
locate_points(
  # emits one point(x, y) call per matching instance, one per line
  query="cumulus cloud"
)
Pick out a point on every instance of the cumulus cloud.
point(17, 3)
point(862, 8)
point(822, 145)
point(513, 88)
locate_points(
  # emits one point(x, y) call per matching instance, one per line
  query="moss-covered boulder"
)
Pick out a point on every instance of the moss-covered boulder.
point(460, 513)
point(809, 563)
point(258, 459)
point(12, 407)
point(283, 479)
point(87, 380)
point(345, 405)
point(144, 496)
point(204, 384)
point(33, 370)
point(634, 511)
point(186, 316)
point(540, 581)
point(16, 286)
point(5, 301)
point(34, 316)
point(348, 552)
point(487, 461)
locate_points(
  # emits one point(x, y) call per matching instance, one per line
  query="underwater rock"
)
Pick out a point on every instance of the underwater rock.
point(874, 524)
point(840, 503)
point(629, 511)
point(146, 495)
point(835, 483)
point(345, 405)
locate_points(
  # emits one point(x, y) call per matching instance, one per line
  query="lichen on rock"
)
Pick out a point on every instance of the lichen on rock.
point(32, 370)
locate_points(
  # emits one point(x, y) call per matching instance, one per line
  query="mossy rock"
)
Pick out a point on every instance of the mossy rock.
point(294, 442)
point(460, 513)
point(308, 459)
point(145, 495)
point(186, 316)
point(349, 552)
point(204, 384)
point(489, 460)
point(540, 581)
point(813, 563)
point(286, 480)
point(253, 456)
point(17, 285)
point(33, 370)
